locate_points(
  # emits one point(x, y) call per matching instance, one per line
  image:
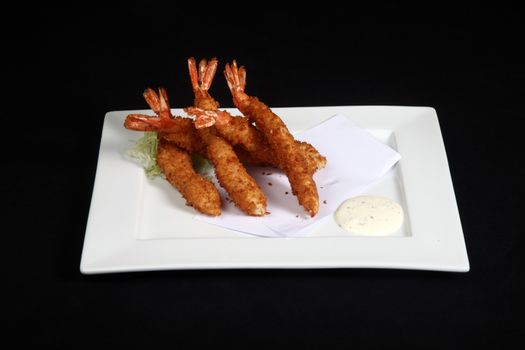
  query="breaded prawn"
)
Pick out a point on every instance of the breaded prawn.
point(233, 177)
point(237, 130)
point(251, 143)
point(278, 137)
point(176, 164)
point(199, 192)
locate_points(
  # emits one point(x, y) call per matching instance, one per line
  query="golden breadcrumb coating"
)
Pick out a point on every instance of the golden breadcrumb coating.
point(199, 192)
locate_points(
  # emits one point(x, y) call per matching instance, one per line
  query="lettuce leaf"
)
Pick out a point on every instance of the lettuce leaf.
point(202, 165)
point(145, 152)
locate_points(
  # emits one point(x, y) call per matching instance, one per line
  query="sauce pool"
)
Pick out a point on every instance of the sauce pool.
point(370, 216)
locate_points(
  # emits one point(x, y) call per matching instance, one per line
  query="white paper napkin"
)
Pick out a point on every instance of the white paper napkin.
point(355, 160)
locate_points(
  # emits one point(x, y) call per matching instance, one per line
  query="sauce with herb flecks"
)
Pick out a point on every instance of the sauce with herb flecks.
point(370, 216)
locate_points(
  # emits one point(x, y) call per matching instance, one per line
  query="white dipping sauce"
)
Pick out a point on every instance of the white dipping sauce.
point(370, 216)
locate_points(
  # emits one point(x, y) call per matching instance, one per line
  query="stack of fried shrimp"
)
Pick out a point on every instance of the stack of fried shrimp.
point(258, 138)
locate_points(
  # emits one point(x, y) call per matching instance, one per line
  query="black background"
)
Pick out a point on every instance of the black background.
point(67, 67)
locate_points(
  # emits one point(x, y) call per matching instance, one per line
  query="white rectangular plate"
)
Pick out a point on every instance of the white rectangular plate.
point(136, 224)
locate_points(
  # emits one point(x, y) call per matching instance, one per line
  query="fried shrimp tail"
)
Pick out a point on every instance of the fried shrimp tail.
point(206, 118)
point(178, 130)
point(162, 121)
point(280, 140)
point(201, 82)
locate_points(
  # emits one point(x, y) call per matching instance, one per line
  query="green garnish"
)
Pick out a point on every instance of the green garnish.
point(145, 151)
point(201, 165)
